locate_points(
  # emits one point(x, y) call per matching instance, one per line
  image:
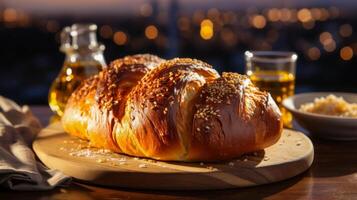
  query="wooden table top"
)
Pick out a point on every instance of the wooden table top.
point(333, 175)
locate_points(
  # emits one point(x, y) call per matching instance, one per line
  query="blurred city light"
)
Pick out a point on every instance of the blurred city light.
point(345, 30)
point(325, 38)
point(314, 53)
point(120, 38)
point(346, 53)
point(206, 30)
point(106, 31)
point(304, 15)
point(10, 15)
point(259, 21)
point(146, 10)
point(151, 32)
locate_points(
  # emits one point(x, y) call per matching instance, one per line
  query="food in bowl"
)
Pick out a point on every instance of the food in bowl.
point(331, 105)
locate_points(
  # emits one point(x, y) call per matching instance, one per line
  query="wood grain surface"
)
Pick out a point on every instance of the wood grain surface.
point(333, 175)
point(291, 155)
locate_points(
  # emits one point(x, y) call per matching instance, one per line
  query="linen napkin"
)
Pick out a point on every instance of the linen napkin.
point(19, 169)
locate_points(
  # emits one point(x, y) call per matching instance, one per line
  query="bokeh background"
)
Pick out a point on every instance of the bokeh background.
point(322, 32)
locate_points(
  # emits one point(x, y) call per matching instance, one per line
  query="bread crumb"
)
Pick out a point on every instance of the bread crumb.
point(143, 165)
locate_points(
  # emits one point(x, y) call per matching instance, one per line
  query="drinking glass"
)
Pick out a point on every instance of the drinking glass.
point(274, 72)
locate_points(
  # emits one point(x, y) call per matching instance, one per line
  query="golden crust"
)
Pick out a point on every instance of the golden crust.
point(157, 109)
point(95, 107)
point(181, 110)
point(231, 118)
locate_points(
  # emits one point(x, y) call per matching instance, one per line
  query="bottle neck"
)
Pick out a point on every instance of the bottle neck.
point(85, 57)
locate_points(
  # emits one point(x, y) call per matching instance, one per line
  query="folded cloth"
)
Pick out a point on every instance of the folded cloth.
point(19, 169)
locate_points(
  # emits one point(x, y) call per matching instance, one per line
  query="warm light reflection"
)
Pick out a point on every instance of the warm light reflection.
point(346, 53)
point(286, 15)
point(228, 37)
point(324, 14)
point(259, 21)
point(293, 16)
point(274, 14)
point(206, 30)
point(346, 30)
point(146, 10)
point(120, 38)
point(10, 15)
point(316, 13)
point(331, 46)
point(69, 71)
point(304, 15)
point(334, 11)
point(106, 31)
point(314, 53)
point(325, 38)
point(151, 32)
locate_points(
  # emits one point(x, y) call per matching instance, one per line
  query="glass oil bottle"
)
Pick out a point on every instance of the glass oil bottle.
point(84, 58)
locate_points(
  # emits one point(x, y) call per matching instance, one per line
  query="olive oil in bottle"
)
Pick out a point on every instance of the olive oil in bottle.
point(84, 58)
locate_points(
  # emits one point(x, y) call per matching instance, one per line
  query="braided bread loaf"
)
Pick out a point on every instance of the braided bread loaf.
point(179, 110)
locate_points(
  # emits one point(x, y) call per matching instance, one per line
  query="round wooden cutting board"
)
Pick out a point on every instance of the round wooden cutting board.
point(290, 156)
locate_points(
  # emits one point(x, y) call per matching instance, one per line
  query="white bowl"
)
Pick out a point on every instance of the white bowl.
point(324, 126)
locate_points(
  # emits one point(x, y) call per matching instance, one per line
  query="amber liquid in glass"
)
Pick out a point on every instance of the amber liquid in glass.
point(68, 80)
point(280, 84)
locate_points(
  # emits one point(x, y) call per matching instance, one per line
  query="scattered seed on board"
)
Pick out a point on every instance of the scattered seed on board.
point(231, 164)
point(143, 166)
point(201, 163)
point(63, 190)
